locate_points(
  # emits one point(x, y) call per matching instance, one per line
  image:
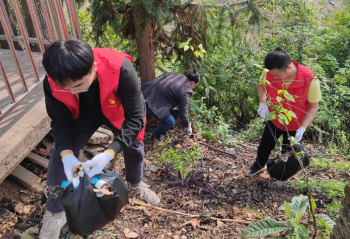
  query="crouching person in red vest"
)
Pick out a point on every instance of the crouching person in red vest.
point(285, 74)
point(84, 89)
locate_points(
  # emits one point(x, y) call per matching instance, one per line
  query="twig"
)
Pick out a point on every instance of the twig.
point(234, 156)
point(188, 215)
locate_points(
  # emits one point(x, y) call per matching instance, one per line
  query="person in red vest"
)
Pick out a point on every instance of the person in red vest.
point(84, 89)
point(283, 73)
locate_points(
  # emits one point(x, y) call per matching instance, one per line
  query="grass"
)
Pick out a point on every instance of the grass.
point(325, 163)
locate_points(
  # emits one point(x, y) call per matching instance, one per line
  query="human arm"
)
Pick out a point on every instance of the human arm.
point(184, 98)
point(129, 91)
point(310, 115)
point(62, 122)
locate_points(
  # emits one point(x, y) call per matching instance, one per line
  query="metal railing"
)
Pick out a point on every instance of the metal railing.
point(27, 28)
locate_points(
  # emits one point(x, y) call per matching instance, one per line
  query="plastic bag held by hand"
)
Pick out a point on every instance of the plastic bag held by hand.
point(86, 212)
point(263, 110)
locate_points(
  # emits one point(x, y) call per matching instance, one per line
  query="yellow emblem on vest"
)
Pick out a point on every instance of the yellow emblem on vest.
point(112, 103)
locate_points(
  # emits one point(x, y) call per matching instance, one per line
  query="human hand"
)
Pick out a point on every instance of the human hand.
point(70, 163)
point(98, 163)
point(189, 130)
point(263, 110)
point(299, 134)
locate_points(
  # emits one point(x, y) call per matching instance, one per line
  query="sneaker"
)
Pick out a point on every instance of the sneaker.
point(145, 193)
point(255, 169)
point(331, 2)
point(52, 224)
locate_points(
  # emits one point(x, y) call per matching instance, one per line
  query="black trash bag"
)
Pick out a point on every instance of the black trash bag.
point(281, 170)
point(86, 212)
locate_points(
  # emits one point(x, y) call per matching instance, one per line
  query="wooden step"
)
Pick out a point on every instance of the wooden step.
point(36, 158)
point(27, 179)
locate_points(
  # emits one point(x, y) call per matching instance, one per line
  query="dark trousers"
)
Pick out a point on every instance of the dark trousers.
point(268, 143)
point(85, 126)
point(163, 126)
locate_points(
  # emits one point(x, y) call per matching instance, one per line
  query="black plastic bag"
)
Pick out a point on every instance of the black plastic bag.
point(86, 212)
point(281, 170)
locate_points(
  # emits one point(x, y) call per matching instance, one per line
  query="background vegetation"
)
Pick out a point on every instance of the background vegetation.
point(236, 38)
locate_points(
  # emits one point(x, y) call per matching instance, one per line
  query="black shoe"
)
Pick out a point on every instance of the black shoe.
point(255, 169)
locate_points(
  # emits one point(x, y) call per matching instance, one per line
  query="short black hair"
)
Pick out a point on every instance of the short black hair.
point(193, 75)
point(278, 59)
point(69, 60)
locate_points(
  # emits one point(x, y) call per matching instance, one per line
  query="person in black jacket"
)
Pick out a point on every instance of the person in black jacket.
point(166, 92)
point(84, 89)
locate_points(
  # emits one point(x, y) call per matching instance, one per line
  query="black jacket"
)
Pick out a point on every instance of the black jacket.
point(166, 92)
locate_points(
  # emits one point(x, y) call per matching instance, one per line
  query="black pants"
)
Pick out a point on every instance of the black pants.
point(85, 126)
point(268, 143)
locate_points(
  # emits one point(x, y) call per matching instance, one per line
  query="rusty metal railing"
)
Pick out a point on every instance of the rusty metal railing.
point(27, 28)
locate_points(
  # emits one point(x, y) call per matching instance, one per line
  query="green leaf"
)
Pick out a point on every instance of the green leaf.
point(301, 232)
point(264, 227)
point(292, 114)
point(325, 220)
point(287, 209)
point(30, 233)
point(289, 97)
point(182, 45)
point(299, 203)
point(286, 112)
point(186, 47)
point(196, 53)
point(280, 92)
point(279, 98)
point(271, 116)
point(281, 118)
point(298, 217)
point(313, 204)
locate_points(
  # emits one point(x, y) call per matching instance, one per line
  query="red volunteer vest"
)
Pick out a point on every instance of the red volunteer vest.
point(298, 89)
point(109, 63)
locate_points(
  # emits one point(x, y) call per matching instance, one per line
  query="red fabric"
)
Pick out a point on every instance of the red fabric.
point(109, 63)
point(298, 89)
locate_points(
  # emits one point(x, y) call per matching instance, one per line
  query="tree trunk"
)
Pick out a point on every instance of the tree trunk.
point(145, 49)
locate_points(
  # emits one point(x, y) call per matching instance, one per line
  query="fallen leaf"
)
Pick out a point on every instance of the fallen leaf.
point(132, 235)
point(126, 230)
point(216, 161)
point(178, 146)
point(220, 223)
point(195, 222)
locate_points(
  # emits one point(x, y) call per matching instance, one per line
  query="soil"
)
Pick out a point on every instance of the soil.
point(240, 200)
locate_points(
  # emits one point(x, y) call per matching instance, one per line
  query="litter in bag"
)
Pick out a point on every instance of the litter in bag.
point(85, 211)
point(284, 167)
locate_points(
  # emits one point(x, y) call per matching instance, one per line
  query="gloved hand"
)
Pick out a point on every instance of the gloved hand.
point(97, 163)
point(299, 134)
point(263, 110)
point(189, 130)
point(70, 162)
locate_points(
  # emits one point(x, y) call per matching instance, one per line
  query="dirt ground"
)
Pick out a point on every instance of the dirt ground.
point(240, 200)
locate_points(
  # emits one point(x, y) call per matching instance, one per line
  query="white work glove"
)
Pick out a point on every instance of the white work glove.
point(299, 134)
point(189, 130)
point(70, 162)
point(97, 163)
point(263, 110)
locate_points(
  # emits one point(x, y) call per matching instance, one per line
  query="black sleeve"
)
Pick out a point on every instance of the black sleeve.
point(62, 123)
point(183, 107)
point(129, 91)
